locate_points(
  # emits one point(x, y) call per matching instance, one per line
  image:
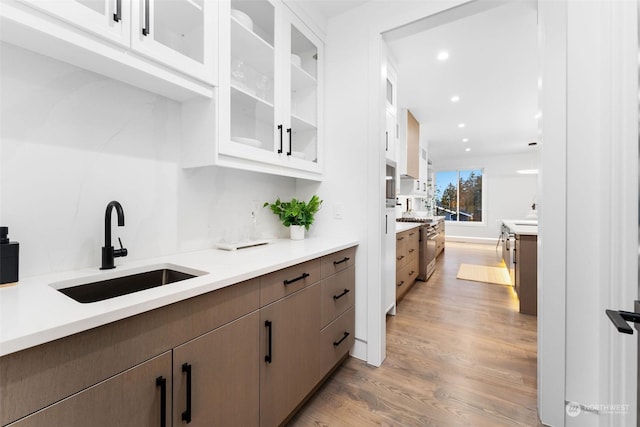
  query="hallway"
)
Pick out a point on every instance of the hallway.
point(458, 354)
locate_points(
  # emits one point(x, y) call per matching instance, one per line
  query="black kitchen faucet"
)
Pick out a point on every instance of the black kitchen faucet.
point(108, 252)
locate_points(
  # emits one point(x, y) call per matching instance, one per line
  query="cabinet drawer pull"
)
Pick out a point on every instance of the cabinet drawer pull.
point(344, 337)
point(400, 238)
point(400, 257)
point(411, 272)
point(302, 276)
point(411, 234)
point(280, 129)
point(290, 142)
point(147, 29)
point(345, 259)
point(267, 358)
point(162, 383)
point(411, 251)
point(401, 283)
point(118, 15)
point(346, 291)
point(186, 415)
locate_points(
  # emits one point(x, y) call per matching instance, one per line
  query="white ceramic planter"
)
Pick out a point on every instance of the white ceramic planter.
point(296, 232)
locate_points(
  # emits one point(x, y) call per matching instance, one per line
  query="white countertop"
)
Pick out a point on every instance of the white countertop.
point(33, 312)
point(526, 227)
point(404, 226)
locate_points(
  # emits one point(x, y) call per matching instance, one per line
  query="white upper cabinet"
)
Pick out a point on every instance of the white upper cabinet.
point(110, 19)
point(179, 33)
point(270, 92)
point(165, 46)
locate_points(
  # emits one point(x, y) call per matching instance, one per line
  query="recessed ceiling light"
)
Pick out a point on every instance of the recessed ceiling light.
point(465, 139)
point(460, 125)
point(443, 56)
point(528, 171)
point(467, 149)
point(455, 98)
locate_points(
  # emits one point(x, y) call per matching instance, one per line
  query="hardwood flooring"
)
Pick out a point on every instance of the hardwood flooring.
point(458, 354)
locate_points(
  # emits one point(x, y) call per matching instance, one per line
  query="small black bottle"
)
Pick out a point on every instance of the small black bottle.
point(8, 257)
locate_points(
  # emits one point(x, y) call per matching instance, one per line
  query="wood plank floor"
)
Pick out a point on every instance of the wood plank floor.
point(458, 354)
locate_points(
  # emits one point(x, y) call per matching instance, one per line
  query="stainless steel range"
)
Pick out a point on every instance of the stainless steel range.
point(427, 251)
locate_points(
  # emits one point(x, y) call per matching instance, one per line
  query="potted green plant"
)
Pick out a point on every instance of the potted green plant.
point(296, 214)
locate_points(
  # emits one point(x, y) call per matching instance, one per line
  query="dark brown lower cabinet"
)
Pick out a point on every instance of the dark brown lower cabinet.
point(290, 366)
point(224, 377)
point(132, 398)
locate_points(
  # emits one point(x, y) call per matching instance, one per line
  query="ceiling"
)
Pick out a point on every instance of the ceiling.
point(492, 67)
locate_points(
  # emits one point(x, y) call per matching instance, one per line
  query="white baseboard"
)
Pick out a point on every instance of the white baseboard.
point(359, 350)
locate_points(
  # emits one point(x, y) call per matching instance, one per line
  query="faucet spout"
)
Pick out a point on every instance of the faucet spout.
point(108, 252)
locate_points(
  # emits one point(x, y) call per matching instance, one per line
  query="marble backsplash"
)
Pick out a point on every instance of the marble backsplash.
point(71, 141)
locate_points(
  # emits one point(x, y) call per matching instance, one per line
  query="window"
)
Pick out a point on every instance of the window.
point(459, 195)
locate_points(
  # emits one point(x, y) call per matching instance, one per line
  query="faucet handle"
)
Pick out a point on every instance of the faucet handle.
point(120, 252)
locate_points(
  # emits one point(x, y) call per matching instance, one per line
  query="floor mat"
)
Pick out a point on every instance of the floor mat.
point(483, 273)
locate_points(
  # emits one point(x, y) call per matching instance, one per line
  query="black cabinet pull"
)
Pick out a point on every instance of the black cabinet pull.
point(411, 234)
point(411, 251)
point(147, 29)
point(118, 15)
point(267, 324)
point(386, 141)
point(401, 283)
point(280, 129)
point(162, 383)
point(344, 337)
point(400, 238)
point(290, 142)
point(186, 415)
point(400, 257)
point(345, 259)
point(302, 276)
point(346, 291)
point(411, 272)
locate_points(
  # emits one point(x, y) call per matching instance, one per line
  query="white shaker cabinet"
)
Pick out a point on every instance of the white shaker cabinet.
point(165, 46)
point(179, 33)
point(110, 19)
point(268, 113)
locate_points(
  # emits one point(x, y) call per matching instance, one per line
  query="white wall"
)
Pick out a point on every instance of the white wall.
point(71, 141)
point(506, 194)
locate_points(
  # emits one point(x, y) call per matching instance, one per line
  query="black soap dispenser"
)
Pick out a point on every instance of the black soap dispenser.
point(8, 257)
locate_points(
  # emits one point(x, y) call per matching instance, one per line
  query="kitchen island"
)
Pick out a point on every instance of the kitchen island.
point(520, 255)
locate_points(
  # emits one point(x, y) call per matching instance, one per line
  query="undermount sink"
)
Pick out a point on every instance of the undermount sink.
point(99, 288)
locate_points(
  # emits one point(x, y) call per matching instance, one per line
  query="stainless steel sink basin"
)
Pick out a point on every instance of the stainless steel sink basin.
point(99, 288)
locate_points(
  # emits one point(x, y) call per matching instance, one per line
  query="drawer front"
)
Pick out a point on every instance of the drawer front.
point(401, 249)
point(337, 339)
point(281, 283)
point(405, 277)
point(338, 295)
point(413, 237)
point(341, 260)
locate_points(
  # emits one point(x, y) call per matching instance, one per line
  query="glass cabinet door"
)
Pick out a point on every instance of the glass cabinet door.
point(180, 33)
point(106, 18)
point(253, 85)
point(303, 68)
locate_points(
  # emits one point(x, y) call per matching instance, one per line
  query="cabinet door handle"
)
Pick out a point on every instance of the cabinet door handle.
point(290, 142)
point(346, 291)
point(302, 276)
point(345, 259)
point(411, 234)
point(400, 257)
point(186, 415)
point(411, 272)
point(401, 283)
point(118, 15)
point(147, 28)
point(267, 324)
point(400, 238)
point(162, 383)
point(280, 129)
point(411, 251)
point(344, 337)
point(386, 141)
